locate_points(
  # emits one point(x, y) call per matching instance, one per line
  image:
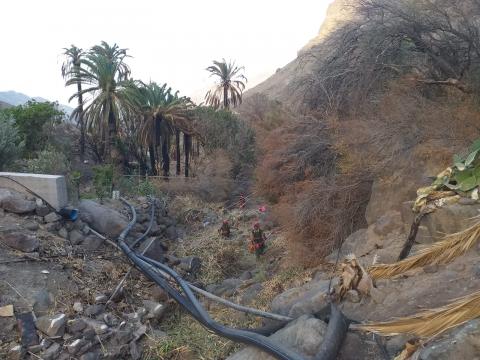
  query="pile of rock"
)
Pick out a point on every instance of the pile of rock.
point(90, 333)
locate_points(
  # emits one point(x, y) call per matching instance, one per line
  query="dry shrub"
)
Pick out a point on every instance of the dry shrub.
point(213, 182)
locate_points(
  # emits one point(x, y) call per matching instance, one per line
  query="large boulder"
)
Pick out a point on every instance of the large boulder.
point(304, 335)
point(16, 202)
point(307, 299)
point(463, 343)
point(101, 218)
point(19, 240)
point(448, 219)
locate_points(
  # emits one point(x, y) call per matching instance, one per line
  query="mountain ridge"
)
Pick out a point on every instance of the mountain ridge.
point(14, 98)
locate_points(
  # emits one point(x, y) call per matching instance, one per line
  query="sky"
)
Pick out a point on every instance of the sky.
point(169, 41)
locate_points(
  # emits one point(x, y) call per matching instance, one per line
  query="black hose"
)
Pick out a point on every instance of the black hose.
point(191, 304)
point(150, 224)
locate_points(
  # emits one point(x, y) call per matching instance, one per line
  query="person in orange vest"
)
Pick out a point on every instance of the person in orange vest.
point(257, 241)
point(225, 229)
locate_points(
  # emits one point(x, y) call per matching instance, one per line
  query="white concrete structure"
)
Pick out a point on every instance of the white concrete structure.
point(52, 188)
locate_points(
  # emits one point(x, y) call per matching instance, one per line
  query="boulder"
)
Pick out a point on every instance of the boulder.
point(52, 217)
point(154, 309)
point(462, 343)
point(91, 243)
point(76, 237)
point(19, 240)
point(15, 202)
point(303, 335)
point(42, 210)
point(43, 302)
point(307, 299)
point(101, 218)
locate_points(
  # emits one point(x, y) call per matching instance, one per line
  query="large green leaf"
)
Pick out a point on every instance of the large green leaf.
point(467, 180)
point(470, 158)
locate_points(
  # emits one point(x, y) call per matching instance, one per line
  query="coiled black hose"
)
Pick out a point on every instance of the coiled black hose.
point(191, 304)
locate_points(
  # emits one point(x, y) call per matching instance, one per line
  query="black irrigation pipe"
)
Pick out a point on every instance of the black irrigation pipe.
point(191, 304)
point(160, 273)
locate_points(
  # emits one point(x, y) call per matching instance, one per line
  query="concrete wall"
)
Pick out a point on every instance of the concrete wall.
point(52, 188)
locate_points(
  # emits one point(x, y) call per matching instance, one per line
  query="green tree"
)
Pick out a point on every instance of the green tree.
point(10, 143)
point(32, 121)
point(229, 89)
point(70, 68)
point(104, 74)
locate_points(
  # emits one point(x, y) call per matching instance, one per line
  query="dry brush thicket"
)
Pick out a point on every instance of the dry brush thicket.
point(392, 89)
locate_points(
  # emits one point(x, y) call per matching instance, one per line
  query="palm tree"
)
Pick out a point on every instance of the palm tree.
point(105, 75)
point(164, 114)
point(71, 66)
point(230, 86)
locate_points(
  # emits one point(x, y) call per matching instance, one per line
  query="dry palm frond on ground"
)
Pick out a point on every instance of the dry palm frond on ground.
point(442, 252)
point(430, 323)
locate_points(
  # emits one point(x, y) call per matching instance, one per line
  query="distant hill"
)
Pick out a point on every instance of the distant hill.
point(4, 105)
point(14, 98)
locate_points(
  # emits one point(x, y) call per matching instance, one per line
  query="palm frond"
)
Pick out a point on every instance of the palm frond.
point(443, 252)
point(430, 323)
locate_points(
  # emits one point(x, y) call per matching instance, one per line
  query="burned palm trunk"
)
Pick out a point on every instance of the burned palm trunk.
point(187, 142)
point(112, 133)
point(177, 150)
point(151, 153)
point(165, 156)
point(407, 247)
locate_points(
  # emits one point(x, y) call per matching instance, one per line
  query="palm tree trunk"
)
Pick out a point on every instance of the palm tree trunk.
point(165, 155)
point(112, 132)
point(187, 144)
point(153, 165)
point(225, 97)
point(177, 150)
point(81, 123)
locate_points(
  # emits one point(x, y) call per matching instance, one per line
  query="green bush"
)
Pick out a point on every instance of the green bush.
point(103, 180)
point(10, 145)
point(49, 161)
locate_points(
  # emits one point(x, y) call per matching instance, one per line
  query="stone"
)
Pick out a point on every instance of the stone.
point(42, 210)
point(92, 355)
point(75, 236)
point(98, 326)
point(15, 202)
point(154, 309)
point(15, 353)
point(303, 335)
point(307, 299)
point(101, 218)
point(110, 320)
point(101, 299)
point(31, 225)
point(94, 310)
point(75, 346)
point(43, 302)
point(91, 243)
point(251, 293)
point(78, 307)
point(171, 233)
point(247, 275)
point(52, 217)
point(53, 326)
point(20, 241)
point(135, 351)
point(63, 233)
point(387, 223)
point(353, 296)
point(191, 264)
point(158, 294)
point(430, 269)
point(76, 325)
point(6, 311)
point(52, 352)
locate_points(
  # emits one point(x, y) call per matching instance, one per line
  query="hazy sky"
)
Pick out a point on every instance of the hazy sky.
point(170, 41)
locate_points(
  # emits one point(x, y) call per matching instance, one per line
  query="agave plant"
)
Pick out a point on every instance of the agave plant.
point(231, 83)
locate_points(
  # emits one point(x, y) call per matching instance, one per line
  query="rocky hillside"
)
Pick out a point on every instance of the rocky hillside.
point(16, 98)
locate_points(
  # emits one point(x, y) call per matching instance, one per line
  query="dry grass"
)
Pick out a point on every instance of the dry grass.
point(443, 252)
point(430, 323)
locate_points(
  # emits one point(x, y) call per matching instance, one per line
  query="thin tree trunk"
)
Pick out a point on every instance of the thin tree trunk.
point(177, 150)
point(112, 132)
point(81, 122)
point(153, 165)
point(165, 155)
point(225, 97)
point(187, 144)
point(407, 247)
